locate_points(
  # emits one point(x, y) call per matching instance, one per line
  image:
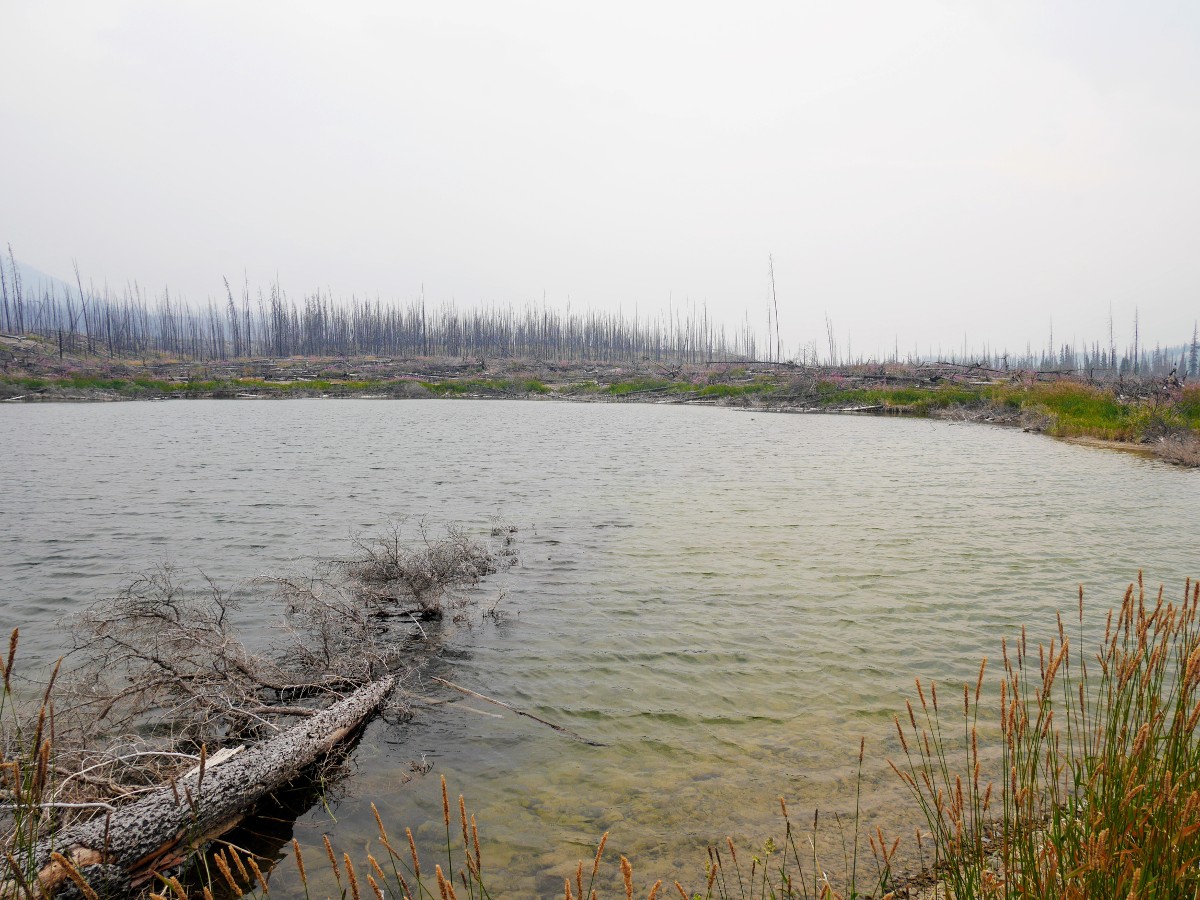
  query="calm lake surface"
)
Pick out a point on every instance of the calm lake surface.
point(727, 600)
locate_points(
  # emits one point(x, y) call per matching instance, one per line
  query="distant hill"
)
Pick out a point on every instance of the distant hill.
point(35, 281)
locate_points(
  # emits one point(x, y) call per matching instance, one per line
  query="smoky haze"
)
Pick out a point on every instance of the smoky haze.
point(921, 172)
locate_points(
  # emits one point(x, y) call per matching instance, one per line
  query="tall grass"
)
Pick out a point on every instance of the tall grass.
point(15, 761)
point(791, 870)
point(29, 809)
point(1078, 409)
point(1189, 405)
point(780, 873)
point(1096, 788)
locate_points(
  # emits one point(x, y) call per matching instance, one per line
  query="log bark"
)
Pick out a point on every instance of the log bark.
point(161, 829)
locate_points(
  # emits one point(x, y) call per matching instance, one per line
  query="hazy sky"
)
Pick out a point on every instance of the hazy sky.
point(919, 170)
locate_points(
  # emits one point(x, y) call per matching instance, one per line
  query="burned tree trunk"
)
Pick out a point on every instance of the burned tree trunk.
point(161, 830)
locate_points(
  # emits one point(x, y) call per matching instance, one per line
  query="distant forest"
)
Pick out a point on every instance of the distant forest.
point(135, 325)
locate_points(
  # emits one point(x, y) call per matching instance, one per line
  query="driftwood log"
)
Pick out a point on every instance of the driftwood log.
point(162, 829)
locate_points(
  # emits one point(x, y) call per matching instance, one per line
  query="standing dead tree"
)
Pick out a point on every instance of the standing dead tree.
point(136, 324)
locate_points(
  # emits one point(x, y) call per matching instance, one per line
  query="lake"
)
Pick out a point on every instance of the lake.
point(726, 600)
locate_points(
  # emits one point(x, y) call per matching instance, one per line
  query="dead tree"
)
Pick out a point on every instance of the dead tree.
point(159, 677)
point(130, 845)
point(163, 658)
point(424, 576)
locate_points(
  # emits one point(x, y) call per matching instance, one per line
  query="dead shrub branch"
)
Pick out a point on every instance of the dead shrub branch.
point(160, 674)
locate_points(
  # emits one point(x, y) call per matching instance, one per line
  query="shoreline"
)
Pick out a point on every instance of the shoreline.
point(588, 392)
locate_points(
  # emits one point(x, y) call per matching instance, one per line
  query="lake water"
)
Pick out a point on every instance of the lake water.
point(726, 600)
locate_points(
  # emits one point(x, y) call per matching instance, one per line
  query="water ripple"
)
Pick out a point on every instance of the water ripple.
point(727, 602)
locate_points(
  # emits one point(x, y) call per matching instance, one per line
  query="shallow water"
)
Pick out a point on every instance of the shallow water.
point(727, 600)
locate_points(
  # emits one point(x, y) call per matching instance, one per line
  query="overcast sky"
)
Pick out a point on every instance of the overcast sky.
point(919, 170)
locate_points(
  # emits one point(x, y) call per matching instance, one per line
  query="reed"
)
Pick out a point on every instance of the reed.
point(29, 808)
point(1095, 789)
point(774, 870)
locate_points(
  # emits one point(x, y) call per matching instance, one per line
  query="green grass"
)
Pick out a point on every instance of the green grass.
point(27, 382)
point(1071, 408)
point(914, 400)
point(1188, 406)
point(147, 386)
point(142, 385)
point(1077, 409)
point(506, 386)
point(93, 382)
point(637, 386)
point(648, 384)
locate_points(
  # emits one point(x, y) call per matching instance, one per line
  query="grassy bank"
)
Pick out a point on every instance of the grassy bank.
point(1063, 407)
point(1161, 414)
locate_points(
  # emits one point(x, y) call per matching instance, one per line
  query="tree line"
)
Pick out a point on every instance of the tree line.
point(134, 324)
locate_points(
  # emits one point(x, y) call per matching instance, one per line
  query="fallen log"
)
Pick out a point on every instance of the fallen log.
point(162, 829)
